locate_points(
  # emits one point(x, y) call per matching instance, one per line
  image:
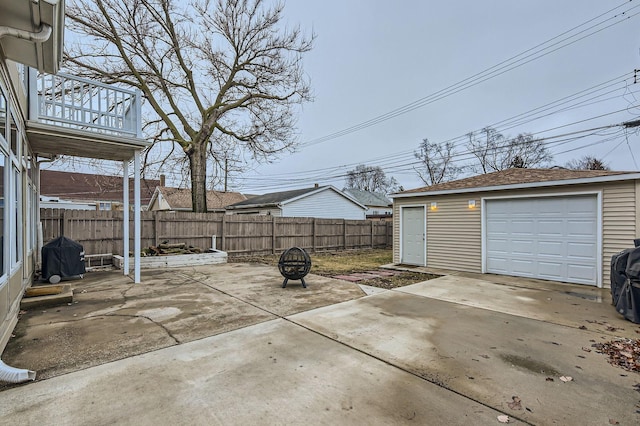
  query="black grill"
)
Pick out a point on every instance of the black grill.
point(294, 264)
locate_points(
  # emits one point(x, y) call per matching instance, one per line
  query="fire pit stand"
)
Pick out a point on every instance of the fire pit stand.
point(294, 264)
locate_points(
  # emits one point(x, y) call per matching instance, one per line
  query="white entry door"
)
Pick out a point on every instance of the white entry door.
point(413, 236)
point(553, 238)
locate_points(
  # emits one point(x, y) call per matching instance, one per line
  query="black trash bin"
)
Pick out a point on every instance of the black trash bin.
point(62, 258)
point(625, 283)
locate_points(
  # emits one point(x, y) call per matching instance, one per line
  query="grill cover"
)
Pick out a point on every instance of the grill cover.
point(63, 257)
point(625, 283)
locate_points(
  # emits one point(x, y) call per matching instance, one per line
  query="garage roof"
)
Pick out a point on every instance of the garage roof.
point(519, 178)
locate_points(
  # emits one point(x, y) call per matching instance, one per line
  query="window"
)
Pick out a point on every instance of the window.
point(105, 206)
point(16, 237)
point(3, 221)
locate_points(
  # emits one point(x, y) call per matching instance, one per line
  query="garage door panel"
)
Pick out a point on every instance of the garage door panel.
point(499, 246)
point(550, 227)
point(498, 264)
point(522, 247)
point(582, 273)
point(551, 238)
point(577, 250)
point(523, 267)
point(550, 270)
point(551, 248)
point(583, 228)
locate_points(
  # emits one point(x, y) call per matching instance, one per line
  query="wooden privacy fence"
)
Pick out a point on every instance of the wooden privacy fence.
point(101, 231)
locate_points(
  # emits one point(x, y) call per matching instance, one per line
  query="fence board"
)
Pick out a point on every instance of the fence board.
point(101, 231)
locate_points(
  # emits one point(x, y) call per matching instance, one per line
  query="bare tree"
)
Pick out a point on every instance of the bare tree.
point(485, 148)
point(370, 178)
point(587, 162)
point(437, 162)
point(215, 73)
point(496, 152)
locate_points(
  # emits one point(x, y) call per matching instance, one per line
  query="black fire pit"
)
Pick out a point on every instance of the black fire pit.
point(294, 264)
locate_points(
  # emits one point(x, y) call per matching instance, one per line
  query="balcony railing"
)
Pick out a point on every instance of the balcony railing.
point(78, 103)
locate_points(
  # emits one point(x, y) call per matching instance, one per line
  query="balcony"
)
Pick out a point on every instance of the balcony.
point(70, 115)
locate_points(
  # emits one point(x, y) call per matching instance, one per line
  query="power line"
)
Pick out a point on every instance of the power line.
point(509, 64)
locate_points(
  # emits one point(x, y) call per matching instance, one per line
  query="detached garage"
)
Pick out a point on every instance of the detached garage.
point(552, 224)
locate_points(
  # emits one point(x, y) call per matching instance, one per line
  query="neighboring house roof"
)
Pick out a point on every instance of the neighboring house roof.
point(84, 186)
point(180, 198)
point(368, 198)
point(276, 199)
point(519, 178)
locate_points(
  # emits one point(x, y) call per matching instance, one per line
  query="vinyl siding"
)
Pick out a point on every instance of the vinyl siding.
point(454, 239)
point(454, 235)
point(326, 204)
point(619, 217)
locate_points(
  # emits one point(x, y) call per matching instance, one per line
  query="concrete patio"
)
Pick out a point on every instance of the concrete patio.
point(225, 344)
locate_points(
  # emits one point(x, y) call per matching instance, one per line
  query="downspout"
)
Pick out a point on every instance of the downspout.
point(15, 375)
point(40, 36)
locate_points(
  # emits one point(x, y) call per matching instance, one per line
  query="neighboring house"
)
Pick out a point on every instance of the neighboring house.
point(77, 190)
point(551, 224)
point(38, 121)
point(318, 201)
point(377, 204)
point(177, 199)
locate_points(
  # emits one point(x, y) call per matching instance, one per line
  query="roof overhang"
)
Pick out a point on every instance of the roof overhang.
point(32, 32)
point(530, 185)
point(48, 140)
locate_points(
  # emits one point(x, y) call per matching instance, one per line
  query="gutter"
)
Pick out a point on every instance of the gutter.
point(40, 36)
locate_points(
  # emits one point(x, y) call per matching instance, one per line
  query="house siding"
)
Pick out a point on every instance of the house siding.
point(325, 204)
point(18, 275)
point(454, 232)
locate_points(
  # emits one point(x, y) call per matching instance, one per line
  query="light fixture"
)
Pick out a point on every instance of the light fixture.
point(472, 204)
point(434, 205)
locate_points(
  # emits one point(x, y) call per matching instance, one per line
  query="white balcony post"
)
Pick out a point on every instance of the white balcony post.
point(125, 216)
point(136, 217)
point(138, 115)
point(33, 96)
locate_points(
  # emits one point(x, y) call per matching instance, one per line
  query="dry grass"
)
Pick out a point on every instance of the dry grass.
point(347, 262)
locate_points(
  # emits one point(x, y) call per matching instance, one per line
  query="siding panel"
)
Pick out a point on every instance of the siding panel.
point(326, 204)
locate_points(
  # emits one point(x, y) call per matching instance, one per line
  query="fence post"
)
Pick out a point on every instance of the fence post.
point(372, 234)
point(156, 227)
point(65, 223)
point(344, 233)
point(273, 235)
point(313, 238)
point(223, 245)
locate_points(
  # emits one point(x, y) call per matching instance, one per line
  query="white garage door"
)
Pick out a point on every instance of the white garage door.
point(551, 238)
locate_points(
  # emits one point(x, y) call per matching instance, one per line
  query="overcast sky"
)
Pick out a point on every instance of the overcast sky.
point(372, 57)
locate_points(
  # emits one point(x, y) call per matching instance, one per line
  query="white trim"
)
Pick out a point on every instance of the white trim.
point(424, 231)
point(136, 218)
point(599, 241)
point(125, 215)
point(598, 179)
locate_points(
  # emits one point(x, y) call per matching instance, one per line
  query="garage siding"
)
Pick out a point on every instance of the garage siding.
point(454, 230)
point(454, 238)
point(619, 216)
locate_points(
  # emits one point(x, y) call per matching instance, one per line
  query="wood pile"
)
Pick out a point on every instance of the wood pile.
point(166, 249)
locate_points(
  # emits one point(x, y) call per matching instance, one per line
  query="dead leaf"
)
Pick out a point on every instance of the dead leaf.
point(586, 349)
point(613, 422)
point(566, 378)
point(485, 356)
point(549, 379)
point(582, 327)
point(503, 419)
point(515, 404)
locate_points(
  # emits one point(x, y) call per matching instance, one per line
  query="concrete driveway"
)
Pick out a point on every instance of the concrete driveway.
point(453, 350)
